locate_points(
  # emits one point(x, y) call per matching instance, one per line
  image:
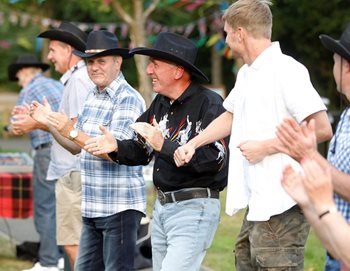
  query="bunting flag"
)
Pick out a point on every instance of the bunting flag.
point(209, 28)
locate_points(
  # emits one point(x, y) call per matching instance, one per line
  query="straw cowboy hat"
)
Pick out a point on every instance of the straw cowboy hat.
point(25, 61)
point(174, 48)
point(341, 47)
point(67, 33)
point(102, 43)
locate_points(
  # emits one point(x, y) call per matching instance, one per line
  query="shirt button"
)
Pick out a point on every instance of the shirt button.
point(157, 169)
point(171, 113)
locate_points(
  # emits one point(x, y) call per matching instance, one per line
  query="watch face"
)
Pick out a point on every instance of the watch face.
point(73, 134)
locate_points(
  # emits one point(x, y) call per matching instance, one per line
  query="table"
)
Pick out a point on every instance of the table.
point(16, 195)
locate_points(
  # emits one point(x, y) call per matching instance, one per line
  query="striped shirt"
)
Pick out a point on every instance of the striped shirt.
point(109, 188)
point(339, 157)
point(38, 88)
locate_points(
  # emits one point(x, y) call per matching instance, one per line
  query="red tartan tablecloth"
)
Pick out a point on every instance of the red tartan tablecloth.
point(16, 195)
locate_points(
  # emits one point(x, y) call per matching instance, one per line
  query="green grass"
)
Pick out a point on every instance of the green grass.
point(219, 257)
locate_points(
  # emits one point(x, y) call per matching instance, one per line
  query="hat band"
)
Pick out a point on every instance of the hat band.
point(92, 51)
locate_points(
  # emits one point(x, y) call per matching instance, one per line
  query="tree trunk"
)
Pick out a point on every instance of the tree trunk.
point(137, 24)
point(216, 67)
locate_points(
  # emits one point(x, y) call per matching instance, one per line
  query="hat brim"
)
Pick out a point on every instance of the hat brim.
point(63, 36)
point(334, 46)
point(169, 57)
point(123, 52)
point(15, 67)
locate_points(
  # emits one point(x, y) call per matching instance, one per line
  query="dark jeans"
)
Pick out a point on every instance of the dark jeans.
point(44, 203)
point(108, 243)
point(276, 244)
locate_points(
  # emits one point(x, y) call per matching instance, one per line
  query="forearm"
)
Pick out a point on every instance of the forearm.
point(323, 128)
point(339, 232)
point(340, 180)
point(216, 130)
point(321, 231)
point(64, 142)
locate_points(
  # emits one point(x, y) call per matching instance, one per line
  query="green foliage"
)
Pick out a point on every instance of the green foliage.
point(298, 24)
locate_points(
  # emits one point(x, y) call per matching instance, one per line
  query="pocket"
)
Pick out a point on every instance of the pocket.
point(289, 259)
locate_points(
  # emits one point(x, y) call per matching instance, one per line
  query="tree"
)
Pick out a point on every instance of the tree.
point(136, 19)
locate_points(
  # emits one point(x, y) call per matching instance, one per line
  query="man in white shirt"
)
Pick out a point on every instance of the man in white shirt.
point(65, 167)
point(269, 87)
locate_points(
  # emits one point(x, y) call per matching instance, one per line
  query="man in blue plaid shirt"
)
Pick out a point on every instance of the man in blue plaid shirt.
point(339, 149)
point(35, 86)
point(113, 196)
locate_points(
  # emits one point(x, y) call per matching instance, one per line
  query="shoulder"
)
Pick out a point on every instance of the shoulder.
point(129, 94)
point(208, 95)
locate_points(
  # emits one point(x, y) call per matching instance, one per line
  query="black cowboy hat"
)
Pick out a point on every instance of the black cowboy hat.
point(67, 33)
point(24, 61)
point(102, 43)
point(174, 48)
point(341, 47)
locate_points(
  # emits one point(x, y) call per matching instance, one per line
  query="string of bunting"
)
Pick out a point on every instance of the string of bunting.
point(209, 28)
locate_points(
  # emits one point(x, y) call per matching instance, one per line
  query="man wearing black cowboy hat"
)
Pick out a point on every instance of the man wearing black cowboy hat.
point(113, 195)
point(338, 159)
point(187, 208)
point(27, 71)
point(64, 167)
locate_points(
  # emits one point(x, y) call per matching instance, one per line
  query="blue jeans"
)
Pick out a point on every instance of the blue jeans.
point(45, 209)
point(331, 264)
point(182, 232)
point(108, 243)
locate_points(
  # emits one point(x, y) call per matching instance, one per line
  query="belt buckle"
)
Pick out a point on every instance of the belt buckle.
point(161, 197)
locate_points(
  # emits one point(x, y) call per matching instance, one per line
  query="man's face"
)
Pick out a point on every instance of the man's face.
point(162, 74)
point(103, 70)
point(341, 73)
point(21, 77)
point(232, 39)
point(60, 55)
point(337, 71)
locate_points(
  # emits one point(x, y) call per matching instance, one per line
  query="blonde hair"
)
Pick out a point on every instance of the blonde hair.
point(253, 15)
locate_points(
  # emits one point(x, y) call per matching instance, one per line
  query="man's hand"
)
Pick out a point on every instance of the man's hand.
point(151, 133)
point(20, 110)
point(253, 151)
point(105, 143)
point(22, 124)
point(298, 141)
point(40, 112)
point(318, 185)
point(61, 122)
point(184, 154)
point(292, 182)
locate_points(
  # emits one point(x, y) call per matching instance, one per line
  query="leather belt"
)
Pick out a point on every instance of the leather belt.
point(42, 146)
point(186, 194)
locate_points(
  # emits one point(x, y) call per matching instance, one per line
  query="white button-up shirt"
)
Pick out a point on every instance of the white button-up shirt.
point(273, 87)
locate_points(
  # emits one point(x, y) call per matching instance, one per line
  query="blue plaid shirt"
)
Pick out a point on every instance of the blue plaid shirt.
point(339, 156)
point(37, 88)
point(109, 188)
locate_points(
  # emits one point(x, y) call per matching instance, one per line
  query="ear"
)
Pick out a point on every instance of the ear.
point(179, 72)
point(241, 33)
point(119, 60)
point(346, 65)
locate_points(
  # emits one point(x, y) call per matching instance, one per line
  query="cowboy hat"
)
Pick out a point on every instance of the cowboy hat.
point(24, 61)
point(174, 48)
point(67, 33)
point(102, 43)
point(340, 47)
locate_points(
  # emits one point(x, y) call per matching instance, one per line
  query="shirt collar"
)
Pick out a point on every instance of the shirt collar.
point(68, 74)
point(113, 88)
point(266, 56)
point(191, 90)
